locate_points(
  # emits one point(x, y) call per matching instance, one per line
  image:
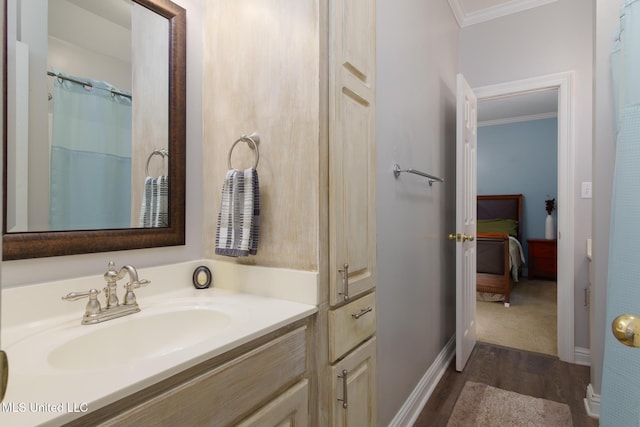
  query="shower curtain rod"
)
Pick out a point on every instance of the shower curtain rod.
point(80, 82)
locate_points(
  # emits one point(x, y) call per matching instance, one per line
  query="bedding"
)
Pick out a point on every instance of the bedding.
point(516, 257)
point(496, 225)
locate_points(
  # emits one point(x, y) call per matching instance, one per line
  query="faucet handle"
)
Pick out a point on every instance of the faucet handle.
point(129, 296)
point(93, 306)
point(137, 284)
point(74, 296)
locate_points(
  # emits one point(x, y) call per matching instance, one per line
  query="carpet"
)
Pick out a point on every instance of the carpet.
point(530, 323)
point(483, 405)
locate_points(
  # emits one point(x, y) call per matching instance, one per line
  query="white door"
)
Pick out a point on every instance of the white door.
point(466, 191)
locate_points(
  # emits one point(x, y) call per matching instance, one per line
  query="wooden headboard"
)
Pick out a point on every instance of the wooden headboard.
point(503, 206)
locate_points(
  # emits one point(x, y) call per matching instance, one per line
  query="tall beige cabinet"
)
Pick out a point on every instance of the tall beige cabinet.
point(352, 222)
point(352, 149)
point(301, 73)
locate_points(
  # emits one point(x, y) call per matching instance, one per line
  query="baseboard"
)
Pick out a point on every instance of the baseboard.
point(582, 356)
point(592, 403)
point(408, 414)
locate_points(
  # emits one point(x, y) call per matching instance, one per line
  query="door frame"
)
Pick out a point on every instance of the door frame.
point(564, 83)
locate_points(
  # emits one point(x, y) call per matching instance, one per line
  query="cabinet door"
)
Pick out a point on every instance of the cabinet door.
point(354, 388)
point(287, 410)
point(352, 149)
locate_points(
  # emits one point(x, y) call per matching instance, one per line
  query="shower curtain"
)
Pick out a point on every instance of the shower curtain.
point(90, 156)
point(620, 405)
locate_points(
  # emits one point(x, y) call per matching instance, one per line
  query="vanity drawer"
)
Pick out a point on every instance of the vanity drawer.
point(350, 325)
point(224, 394)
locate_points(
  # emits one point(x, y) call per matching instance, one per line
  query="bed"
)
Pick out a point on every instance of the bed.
point(499, 252)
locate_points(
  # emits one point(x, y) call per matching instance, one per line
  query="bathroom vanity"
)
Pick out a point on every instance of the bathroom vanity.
point(263, 381)
point(220, 356)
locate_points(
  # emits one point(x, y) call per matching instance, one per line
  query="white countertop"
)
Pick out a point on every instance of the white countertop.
point(42, 394)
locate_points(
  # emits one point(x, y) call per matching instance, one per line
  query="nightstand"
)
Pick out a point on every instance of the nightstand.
point(543, 261)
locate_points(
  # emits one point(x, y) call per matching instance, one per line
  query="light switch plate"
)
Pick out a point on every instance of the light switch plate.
point(586, 190)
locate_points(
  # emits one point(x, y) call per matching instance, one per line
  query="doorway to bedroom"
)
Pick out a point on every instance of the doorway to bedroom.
point(518, 154)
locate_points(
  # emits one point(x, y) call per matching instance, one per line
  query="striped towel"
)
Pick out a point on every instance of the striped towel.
point(238, 219)
point(154, 211)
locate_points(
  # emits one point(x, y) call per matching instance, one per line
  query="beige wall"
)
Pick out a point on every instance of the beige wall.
point(261, 73)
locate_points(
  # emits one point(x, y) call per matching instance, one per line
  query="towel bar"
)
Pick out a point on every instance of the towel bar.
point(253, 141)
point(430, 178)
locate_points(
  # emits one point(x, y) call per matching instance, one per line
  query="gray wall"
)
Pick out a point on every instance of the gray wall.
point(46, 269)
point(417, 62)
point(549, 39)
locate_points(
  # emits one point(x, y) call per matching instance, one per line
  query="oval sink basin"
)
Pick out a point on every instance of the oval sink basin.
point(134, 338)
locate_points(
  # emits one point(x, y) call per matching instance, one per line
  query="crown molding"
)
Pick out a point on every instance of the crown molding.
point(514, 6)
point(527, 118)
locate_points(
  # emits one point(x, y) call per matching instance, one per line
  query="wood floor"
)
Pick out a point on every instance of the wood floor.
point(523, 372)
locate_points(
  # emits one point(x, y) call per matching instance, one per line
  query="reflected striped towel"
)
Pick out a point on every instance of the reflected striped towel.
point(154, 211)
point(238, 219)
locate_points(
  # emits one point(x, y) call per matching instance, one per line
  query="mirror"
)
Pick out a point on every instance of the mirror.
point(141, 151)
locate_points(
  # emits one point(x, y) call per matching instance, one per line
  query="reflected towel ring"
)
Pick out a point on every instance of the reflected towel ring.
point(252, 140)
point(157, 152)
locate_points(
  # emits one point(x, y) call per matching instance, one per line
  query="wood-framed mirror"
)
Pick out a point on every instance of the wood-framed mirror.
point(46, 239)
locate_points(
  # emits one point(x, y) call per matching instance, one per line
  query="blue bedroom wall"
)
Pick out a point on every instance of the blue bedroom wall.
point(522, 158)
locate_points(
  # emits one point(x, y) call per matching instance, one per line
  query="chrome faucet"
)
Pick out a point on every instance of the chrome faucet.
point(94, 313)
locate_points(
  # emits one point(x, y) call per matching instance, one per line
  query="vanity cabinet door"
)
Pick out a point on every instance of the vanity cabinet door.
point(352, 161)
point(290, 409)
point(354, 390)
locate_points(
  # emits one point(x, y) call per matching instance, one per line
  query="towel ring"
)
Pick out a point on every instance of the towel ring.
point(253, 141)
point(157, 152)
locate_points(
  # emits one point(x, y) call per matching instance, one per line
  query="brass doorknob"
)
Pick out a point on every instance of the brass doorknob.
point(626, 329)
point(461, 237)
